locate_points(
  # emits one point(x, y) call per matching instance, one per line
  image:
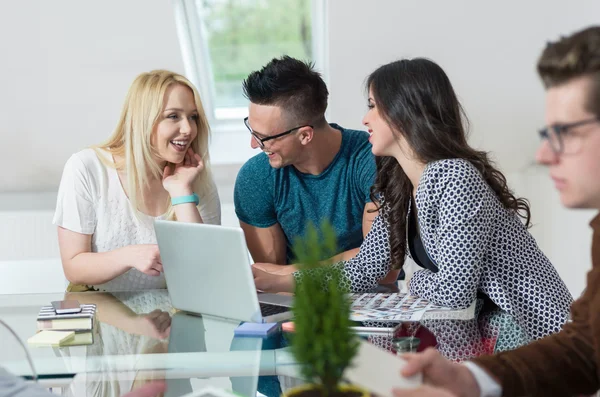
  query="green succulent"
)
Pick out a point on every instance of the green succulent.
point(324, 343)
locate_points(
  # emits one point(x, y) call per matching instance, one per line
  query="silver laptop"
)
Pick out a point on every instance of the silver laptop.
point(207, 269)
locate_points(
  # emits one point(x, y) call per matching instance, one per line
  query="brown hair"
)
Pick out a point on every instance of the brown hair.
point(571, 57)
point(417, 100)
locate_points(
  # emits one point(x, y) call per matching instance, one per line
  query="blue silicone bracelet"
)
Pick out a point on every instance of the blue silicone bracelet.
point(192, 198)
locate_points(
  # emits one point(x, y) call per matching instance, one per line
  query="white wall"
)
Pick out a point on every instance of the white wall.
point(66, 66)
point(489, 50)
point(562, 234)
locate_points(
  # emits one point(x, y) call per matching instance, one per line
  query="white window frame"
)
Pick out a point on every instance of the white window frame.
point(198, 69)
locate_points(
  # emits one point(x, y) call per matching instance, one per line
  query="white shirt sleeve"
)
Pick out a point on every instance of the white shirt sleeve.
point(75, 208)
point(210, 205)
point(487, 385)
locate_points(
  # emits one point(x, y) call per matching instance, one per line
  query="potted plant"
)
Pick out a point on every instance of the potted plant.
point(323, 343)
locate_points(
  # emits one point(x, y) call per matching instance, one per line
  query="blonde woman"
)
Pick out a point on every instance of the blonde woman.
point(154, 166)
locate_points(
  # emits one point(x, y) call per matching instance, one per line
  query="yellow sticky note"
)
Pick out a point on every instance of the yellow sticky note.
point(50, 338)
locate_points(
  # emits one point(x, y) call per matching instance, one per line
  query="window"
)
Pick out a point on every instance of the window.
point(223, 41)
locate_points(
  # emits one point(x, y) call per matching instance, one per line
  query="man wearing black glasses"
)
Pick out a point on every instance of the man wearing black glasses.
point(566, 363)
point(308, 170)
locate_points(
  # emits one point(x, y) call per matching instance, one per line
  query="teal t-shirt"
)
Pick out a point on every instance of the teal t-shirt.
point(264, 196)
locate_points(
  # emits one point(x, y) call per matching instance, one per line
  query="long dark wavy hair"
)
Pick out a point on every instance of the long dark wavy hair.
point(415, 97)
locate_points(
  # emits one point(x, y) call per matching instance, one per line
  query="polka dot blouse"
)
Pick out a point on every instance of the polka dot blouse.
point(477, 245)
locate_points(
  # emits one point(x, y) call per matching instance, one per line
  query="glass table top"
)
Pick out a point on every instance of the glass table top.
point(141, 333)
point(129, 335)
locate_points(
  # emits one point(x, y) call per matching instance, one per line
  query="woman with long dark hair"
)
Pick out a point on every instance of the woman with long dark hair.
point(446, 206)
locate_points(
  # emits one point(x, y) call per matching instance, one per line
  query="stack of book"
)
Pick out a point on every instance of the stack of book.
point(82, 323)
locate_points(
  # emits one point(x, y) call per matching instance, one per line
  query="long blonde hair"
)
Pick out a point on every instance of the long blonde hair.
point(131, 139)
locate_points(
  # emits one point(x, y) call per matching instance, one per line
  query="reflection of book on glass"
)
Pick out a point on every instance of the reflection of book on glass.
point(68, 338)
point(48, 319)
point(51, 338)
point(80, 338)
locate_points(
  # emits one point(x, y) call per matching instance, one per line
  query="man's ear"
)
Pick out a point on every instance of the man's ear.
point(305, 134)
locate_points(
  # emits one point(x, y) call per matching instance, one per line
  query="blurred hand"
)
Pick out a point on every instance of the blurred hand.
point(269, 282)
point(153, 389)
point(178, 179)
point(145, 258)
point(423, 391)
point(275, 269)
point(156, 324)
point(439, 372)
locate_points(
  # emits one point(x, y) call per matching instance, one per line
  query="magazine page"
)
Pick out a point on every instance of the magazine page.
point(398, 307)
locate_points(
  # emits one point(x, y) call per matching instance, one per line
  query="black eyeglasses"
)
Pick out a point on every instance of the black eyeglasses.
point(556, 134)
point(261, 141)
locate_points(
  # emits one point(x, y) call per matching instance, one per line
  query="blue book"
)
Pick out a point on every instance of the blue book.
point(257, 330)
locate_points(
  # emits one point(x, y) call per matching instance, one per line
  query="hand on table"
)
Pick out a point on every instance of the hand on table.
point(156, 324)
point(145, 258)
point(270, 282)
point(275, 269)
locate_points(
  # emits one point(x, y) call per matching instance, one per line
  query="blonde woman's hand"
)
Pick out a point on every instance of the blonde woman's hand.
point(145, 258)
point(156, 324)
point(178, 178)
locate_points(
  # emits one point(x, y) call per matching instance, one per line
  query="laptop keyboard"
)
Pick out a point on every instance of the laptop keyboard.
point(269, 310)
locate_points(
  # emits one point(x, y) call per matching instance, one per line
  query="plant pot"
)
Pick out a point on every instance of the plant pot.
point(311, 390)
